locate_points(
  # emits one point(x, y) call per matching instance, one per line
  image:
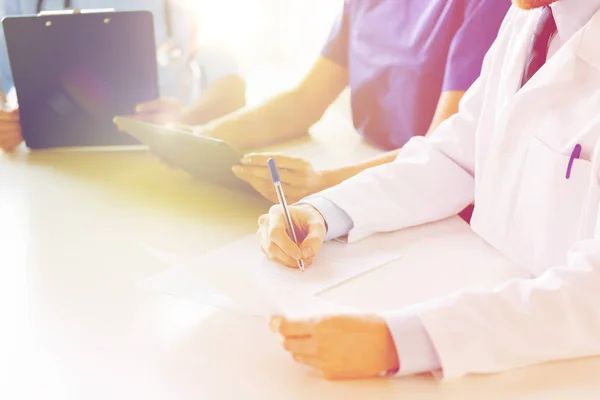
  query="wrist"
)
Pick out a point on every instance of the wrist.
point(221, 131)
point(312, 209)
point(330, 178)
point(186, 117)
point(212, 130)
point(391, 362)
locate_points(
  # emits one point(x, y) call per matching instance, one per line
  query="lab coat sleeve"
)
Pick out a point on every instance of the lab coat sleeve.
point(338, 222)
point(415, 349)
point(431, 179)
point(555, 316)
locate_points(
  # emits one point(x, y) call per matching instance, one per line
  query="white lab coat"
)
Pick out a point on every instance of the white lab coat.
point(508, 151)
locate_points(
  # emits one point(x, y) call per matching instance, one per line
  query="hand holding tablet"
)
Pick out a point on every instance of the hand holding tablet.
point(205, 158)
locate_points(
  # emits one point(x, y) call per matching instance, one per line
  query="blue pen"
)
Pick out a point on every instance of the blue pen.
point(288, 218)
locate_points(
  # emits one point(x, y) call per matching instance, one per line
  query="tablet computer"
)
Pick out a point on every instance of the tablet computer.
point(205, 158)
point(74, 72)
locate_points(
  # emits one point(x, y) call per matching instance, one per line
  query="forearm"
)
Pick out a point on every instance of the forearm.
point(336, 176)
point(279, 119)
point(447, 106)
point(286, 116)
point(224, 96)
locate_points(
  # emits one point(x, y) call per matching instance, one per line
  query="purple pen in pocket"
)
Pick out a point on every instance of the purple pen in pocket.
point(576, 153)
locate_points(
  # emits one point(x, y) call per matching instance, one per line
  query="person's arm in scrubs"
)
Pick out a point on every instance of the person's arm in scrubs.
point(290, 114)
point(10, 124)
point(286, 116)
point(225, 92)
point(463, 66)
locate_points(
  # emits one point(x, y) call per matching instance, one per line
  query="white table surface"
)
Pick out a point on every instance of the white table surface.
point(79, 229)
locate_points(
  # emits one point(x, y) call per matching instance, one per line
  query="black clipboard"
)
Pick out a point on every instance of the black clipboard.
point(74, 72)
point(205, 158)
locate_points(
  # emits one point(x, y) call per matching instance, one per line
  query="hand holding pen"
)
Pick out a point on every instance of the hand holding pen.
point(291, 235)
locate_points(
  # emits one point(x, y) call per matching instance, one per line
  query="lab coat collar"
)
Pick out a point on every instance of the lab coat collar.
point(572, 15)
point(559, 71)
point(562, 65)
point(587, 47)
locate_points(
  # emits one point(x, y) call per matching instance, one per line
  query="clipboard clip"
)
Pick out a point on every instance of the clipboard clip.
point(49, 13)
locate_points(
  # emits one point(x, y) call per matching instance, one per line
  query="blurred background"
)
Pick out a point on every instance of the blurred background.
point(275, 41)
point(259, 31)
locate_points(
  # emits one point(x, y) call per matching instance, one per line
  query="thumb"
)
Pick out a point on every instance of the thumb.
point(149, 106)
point(313, 242)
point(182, 127)
point(158, 105)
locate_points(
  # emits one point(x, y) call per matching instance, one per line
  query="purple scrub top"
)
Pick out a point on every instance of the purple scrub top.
point(402, 54)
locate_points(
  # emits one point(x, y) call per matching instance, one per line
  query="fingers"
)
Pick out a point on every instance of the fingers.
point(277, 254)
point(265, 187)
point(299, 340)
point(10, 138)
point(305, 346)
point(278, 233)
point(182, 127)
point(166, 104)
point(158, 118)
point(10, 131)
point(311, 245)
point(308, 360)
point(8, 145)
point(274, 252)
point(313, 224)
point(297, 175)
point(268, 194)
point(270, 248)
point(283, 162)
point(292, 329)
point(313, 241)
point(116, 121)
point(262, 173)
point(243, 173)
point(160, 111)
point(277, 244)
point(10, 117)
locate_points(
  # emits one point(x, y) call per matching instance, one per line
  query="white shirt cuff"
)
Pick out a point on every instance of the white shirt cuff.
point(338, 221)
point(416, 352)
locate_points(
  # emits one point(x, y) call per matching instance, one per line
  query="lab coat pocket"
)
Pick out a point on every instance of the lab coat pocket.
point(551, 211)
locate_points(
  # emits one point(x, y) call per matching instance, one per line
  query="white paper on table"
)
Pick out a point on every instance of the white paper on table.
point(239, 276)
point(237, 293)
point(334, 264)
